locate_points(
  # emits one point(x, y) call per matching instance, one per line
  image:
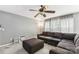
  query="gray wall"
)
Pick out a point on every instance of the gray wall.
point(14, 26)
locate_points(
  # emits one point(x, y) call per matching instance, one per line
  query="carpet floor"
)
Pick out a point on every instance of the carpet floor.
point(18, 49)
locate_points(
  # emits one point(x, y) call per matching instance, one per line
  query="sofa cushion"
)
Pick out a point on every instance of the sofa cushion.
point(48, 33)
point(67, 44)
point(67, 41)
point(53, 34)
point(58, 50)
point(50, 38)
point(45, 33)
point(75, 39)
point(69, 36)
point(58, 35)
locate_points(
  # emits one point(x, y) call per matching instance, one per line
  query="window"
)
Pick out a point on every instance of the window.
point(67, 23)
point(55, 25)
point(60, 24)
point(47, 25)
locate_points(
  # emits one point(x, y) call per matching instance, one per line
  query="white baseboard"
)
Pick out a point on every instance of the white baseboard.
point(5, 45)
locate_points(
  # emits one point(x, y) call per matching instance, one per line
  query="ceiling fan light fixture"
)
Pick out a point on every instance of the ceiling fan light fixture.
point(42, 11)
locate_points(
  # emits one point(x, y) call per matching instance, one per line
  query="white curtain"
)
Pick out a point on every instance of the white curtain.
point(47, 25)
point(60, 24)
point(55, 25)
point(76, 22)
point(67, 23)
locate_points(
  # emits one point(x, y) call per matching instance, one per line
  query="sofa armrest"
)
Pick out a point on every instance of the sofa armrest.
point(77, 50)
point(39, 35)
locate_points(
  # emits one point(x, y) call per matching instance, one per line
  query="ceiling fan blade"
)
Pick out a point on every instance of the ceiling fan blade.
point(44, 15)
point(32, 10)
point(49, 11)
point(36, 15)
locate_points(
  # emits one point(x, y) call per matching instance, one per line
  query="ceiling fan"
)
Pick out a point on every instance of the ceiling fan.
point(42, 10)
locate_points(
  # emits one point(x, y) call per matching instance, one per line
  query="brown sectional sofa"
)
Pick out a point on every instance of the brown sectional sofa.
point(54, 38)
point(65, 43)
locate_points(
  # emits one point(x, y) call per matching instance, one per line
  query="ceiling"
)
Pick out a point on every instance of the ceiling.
point(23, 10)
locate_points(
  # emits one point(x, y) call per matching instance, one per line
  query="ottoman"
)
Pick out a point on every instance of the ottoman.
point(32, 45)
